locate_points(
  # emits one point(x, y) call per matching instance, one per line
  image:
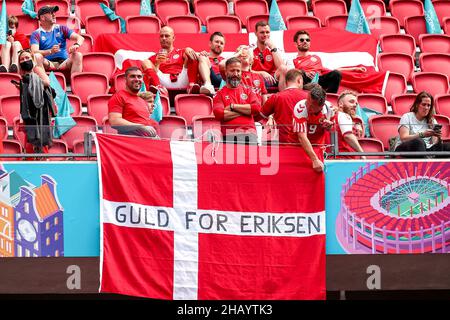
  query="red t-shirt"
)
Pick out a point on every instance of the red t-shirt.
point(267, 65)
point(281, 105)
point(22, 39)
point(174, 63)
point(239, 95)
point(254, 81)
point(215, 64)
point(132, 108)
point(309, 63)
point(344, 126)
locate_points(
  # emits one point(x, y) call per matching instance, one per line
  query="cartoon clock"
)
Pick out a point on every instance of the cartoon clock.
point(26, 230)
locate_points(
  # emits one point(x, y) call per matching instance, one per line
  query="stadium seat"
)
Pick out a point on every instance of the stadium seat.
point(442, 8)
point(78, 147)
point(87, 83)
point(442, 103)
point(87, 46)
point(439, 43)
point(435, 62)
point(84, 124)
point(245, 8)
point(402, 104)
point(402, 9)
point(143, 24)
point(61, 79)
point(252, 20)
point(18, 131)
point(206, 127)
point(288, 7)
point(398, 63)
point(119, 82)
point(125, 8)
point(210, 8)
point(26, 24)
point(432, 82)
point(6, 87)
point(3, 128)
point(173, 127)
point(10, 108)
point(445, 122)
point(14, 7)
point(325, 8)
point(11, 147)
point(86, 8)
point(58, 146)
point(383, 25)
point(75, 102)
point(64, 6)
point(184, 24)
point(302, 22)
point(371, 145)
point(100, 62)
point(97, 106)
point(399, 43)
point(165, 8)
point(373, 101)
point(72, 22)
point(415, 26)
point(230, 23)
point(337, 22)
point(97, 25)
point(106, 127)
point(373, 8)
point(384, 127)
point(395, 85)
point(190, 105)
point(332, 98)
point(446, 25)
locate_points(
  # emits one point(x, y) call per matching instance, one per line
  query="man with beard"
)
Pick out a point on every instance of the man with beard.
point(235, 105)
point(129, 113)
point(212, 58)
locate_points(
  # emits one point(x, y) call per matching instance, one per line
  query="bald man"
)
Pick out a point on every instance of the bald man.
point(174, 68)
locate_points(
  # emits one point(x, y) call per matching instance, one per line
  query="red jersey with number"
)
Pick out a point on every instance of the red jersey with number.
point(309, 63)
point(311, 124)
point(263, 61)
point(254, 81)
point(215, 64)
point(174, 63)
point(239, 95)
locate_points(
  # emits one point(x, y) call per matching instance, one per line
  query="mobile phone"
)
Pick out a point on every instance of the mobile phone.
point(9, 33)
point(437, 127)
point(17, 83)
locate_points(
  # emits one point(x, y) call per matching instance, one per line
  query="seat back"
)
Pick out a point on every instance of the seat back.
point(415, 26)
point(395, 85)
point(432, 82)
point(445, 122)
point(402, 104)
point(26, 24)
point(373, 8)
point(190, 105)
point(435, 62)
point(97, 25)
point(106, 127)
point(97, 106)
point(87, 46)
point(84, 124)
point(173, 127)
point(401, 9)
point(254, 19)
point(75, 102)
point(384, 127)
point(61, 79)
point(383, 25)
point(371, 145)
point(373, 101)
point(14, 7)
point(72, 22)
point(184, 24)
point(165, 8)
point(3, 128)
point(337, 22)
point(86, 8)
point(210, 8)
point(206, 128)
point(125, 8)
point(325, 8)
point(143, 24)
point(438, 43)
point(442, 8)
point(446, 25)
point(302, 22)
point(6, 87)
point(10, 108)
point(288, 7)
point(58, 146)
point(442, 103)
point(398, 63)
point(220, 23)
point(246, 8)
point(399, 43)
point(87, 83)
point(11, 147)
point(99, 62)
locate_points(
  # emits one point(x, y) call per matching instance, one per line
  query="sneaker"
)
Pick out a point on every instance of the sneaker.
point(194, 89)
point(13, 68)
point(207, 89)
point(3, 68)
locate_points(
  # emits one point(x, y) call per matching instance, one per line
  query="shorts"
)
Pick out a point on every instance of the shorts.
point(181, 83)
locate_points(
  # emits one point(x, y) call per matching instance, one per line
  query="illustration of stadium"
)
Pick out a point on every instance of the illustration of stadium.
point(396, 207)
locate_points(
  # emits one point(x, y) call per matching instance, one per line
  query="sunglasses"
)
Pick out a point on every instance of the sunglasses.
point(304, 39)
point(261, 57)
point(216, 61)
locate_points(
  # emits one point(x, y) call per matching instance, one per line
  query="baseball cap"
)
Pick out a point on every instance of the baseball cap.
point(47, 9)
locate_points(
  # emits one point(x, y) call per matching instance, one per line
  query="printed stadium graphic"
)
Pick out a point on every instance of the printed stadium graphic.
point(398, 207)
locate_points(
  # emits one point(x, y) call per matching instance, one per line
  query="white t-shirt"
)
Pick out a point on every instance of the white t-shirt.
point(415, 126)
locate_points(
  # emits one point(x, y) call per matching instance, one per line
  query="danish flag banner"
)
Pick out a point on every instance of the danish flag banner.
point(188, 220)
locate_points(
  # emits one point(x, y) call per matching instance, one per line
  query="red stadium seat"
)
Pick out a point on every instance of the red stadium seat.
point(64, 6)
point(395, 85)
point(373, 101)
point(402, 9)
point(442, 8)
point(125, 8)
point(402, 104)
point(75, 102)
point(61, 79)
point(14, 7)
point(230, 23)
point(384, 127)
point(337, 22)
point(442, 103)
point(332, 98)
point(325, 8)
point(190, 105)
point(210, 8)
point(400, 43)
point(84, 124)
point(71, 22)
point(432, 82)
point(10, 108)
point(86, 8)
point(253, 20)
point(439, 43)
point(184, 24)
point(445, 122)
point(106, 127)
point(11, 147)
point(6, 87)
point(78, 147)
point(206, 127)
point(97, 25)
point(245, 8)
point(87, 83)
point(288, 7)
point(446, 25)
point(87, 45)
point(435, 62)
point(373, 8)
point(398, 63)
point(371, 145)
point(119, 82)
point(302, 22)
point(143, 24)
point(97, 106)
point(415, 26)
point(173, 127)
point(58, 146)
point(100, 62)
point(26, 24)
point(3, 128)
point(383, 25)
point(18, 131)
point(165, 8)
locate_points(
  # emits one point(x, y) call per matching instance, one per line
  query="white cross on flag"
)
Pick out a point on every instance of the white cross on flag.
point(185, 220)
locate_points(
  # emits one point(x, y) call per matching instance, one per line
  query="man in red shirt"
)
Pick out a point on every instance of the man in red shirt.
point(176, 68)
point(213, 58)
point(268, 59)
point(312, 121)
point(129, 113)
point(15, 42)
point(281, 106)
point(235, 105)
